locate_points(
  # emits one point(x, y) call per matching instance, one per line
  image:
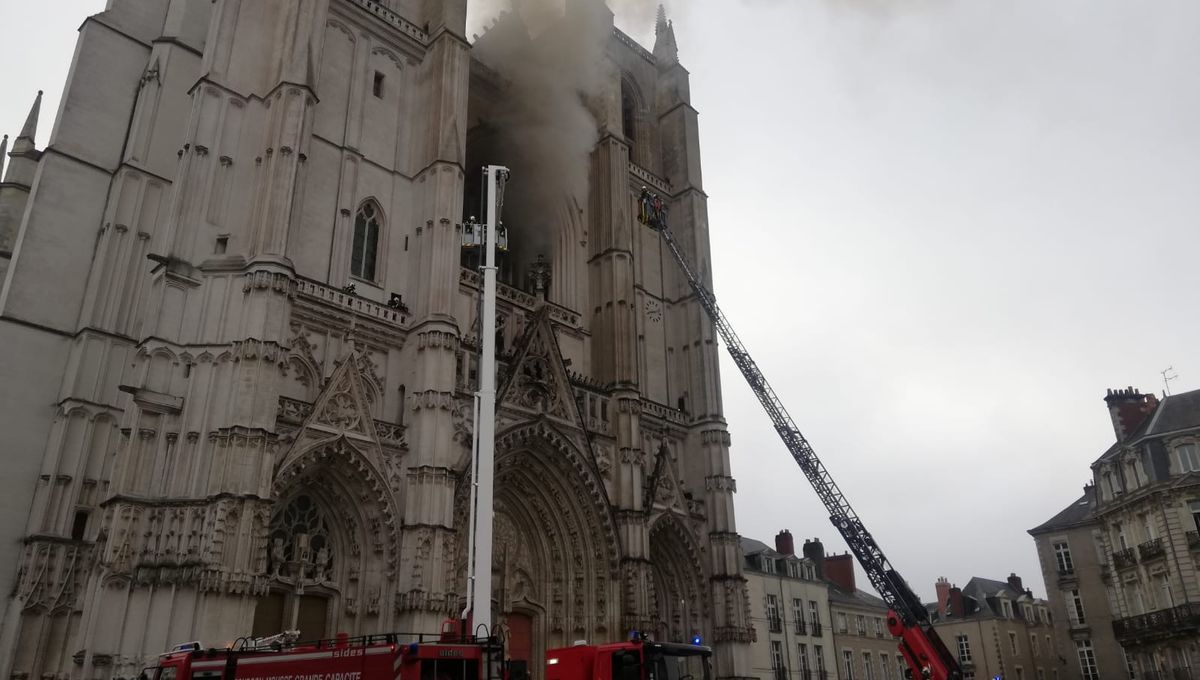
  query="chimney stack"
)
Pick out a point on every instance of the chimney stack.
point(784, 545)
point(1014, 582)
point(957, 605)
point(815, 551)
point(943, 594)
point(1128, 409)
point(839, 569)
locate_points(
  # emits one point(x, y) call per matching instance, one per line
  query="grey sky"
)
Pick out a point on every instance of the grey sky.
point(942, 232)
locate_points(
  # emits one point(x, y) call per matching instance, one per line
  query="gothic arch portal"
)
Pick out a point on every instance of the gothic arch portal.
point(332, 498)
point(679, 600)
point(555, 544)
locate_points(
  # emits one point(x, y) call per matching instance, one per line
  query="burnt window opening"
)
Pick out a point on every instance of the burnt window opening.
point(366, 241)
point(628, 114)
point(377, 87)
point(79, 525)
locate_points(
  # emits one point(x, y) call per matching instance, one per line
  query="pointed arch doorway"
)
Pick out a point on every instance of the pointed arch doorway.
point(301, 551)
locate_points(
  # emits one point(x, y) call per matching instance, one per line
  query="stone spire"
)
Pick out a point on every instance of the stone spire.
point(3, 153)
point(24, 141)
point(24, 157)
point(665, 49)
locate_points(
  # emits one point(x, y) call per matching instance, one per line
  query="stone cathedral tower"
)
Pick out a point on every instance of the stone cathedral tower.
point(239, 334)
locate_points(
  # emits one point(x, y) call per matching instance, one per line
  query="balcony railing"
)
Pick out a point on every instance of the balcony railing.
point(1151, 549)
point(780, 673)
point(1165, 624)
point(775, 624)
point(800, 627)
point(815, 629)
point(1067, 575)
point(806, 674)
point(1125, 559)
point(1193, 538)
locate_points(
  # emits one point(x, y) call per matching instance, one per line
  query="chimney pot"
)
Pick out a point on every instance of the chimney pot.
point(943, 594)
point(784, 545)
point(814, 551)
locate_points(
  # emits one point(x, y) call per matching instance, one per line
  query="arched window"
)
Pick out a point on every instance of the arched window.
point(301, 546)
point(366, 241)
point(629, 109)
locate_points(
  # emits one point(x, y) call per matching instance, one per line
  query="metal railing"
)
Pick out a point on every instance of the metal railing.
point(1125, 559)
point(1151, 549)
point(801, 629)
point(1176, 622)
point(775, 624)
point(815, 629)
point(780, 673)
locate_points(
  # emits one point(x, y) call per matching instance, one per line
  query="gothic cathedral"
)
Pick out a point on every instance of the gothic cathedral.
point(239, 328)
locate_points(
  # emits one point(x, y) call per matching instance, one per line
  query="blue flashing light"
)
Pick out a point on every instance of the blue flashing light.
point(412, 649)
point(697, 640)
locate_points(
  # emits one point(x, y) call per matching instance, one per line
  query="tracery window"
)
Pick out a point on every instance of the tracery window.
point(367, 225)
point(300, 540)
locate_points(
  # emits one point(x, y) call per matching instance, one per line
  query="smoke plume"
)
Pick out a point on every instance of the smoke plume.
point(551, 55)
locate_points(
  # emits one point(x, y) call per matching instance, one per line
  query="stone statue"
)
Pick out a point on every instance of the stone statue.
point(277, 556)
point(321, 564)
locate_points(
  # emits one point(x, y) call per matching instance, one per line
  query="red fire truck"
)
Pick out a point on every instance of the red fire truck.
point(637, 659)
point(393, 656)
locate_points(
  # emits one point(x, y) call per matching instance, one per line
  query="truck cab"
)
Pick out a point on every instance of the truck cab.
point(636, 659)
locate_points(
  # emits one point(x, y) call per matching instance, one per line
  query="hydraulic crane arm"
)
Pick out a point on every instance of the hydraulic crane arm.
point(926, 654)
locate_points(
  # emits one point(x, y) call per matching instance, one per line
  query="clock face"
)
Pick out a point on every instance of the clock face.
point(654, 310)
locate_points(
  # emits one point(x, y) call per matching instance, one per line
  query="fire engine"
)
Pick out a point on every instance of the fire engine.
point(636, 659)
point(393, 656)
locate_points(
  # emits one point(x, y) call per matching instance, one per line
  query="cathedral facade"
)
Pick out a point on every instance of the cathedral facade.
point(240, 323)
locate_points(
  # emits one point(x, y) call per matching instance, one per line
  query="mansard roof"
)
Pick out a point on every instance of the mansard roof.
point(858, 598)
point(1174, 413)
point(1074, 514)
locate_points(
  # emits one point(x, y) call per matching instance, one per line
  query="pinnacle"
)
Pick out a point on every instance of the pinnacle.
point(661, 24)
point(29, 131)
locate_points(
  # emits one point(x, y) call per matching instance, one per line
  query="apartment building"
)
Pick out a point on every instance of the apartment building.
point(865, 649)
point(1147, 487)
point(998, 629)
point(1070, 549)
point(790, 612)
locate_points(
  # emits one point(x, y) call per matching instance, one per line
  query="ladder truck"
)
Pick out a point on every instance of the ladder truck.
point(447, 655)
point(924, 652)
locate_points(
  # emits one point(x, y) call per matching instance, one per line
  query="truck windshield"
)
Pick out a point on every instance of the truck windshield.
point(665, 665)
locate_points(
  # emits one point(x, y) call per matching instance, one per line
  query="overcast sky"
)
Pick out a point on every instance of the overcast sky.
point(942, 232)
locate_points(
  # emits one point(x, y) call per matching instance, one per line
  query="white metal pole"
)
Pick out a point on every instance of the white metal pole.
point(472, 508)
point(485, 496)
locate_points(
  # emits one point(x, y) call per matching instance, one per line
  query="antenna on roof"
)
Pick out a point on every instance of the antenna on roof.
point(1167, 379)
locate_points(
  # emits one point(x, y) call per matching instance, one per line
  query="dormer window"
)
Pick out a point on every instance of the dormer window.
point(1189, 458)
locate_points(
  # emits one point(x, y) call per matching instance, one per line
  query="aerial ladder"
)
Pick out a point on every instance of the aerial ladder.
point(908, 620)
